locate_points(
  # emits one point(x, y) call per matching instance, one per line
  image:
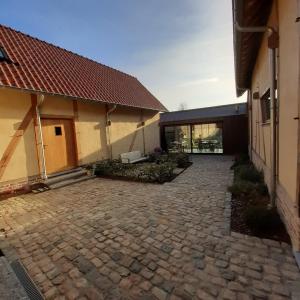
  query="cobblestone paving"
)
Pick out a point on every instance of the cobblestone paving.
point(106, 239)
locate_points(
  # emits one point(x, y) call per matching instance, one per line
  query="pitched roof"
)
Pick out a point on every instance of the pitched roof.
point(205, 113)
point(42, 67)
point(247, 44)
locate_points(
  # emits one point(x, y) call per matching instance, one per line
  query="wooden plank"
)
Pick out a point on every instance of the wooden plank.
point(11, 147)
point(61, 143)
point(76, 131)
point(36, 131)
point(135, 134)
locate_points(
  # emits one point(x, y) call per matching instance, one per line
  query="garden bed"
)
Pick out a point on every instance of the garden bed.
point(250, 205)
point(160, 168)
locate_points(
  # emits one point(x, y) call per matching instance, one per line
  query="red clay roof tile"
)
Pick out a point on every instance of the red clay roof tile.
point(42, 67)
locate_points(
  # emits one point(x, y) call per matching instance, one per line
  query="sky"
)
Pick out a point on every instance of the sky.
point(181, 50)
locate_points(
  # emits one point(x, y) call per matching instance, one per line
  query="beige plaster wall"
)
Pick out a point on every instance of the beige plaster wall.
point(126, 130)
point(260, 83)
point(13, 107)
point(282, 17)
point(152, 135)
point(91, 132)
point(288, 96)
point(55, 105)
point(90, 128)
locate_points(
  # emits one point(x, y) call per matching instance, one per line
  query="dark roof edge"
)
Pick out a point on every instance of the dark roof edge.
point(204, 120)
point(215, 106)
point(246, 45)
point(237, 11)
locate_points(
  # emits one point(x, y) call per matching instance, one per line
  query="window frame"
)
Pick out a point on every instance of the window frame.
point(4, 56)
point(265, 105)
point(58, 131)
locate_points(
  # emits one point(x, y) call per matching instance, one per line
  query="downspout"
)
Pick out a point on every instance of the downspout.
point(39, 103)
point(272, 45)
point(108, 123)
point(272, 57)
point(143, 131)
point(249, 104)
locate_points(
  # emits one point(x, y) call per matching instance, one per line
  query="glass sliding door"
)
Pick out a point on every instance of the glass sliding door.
point(178, 138)
point(207, 138)
point(196, 138)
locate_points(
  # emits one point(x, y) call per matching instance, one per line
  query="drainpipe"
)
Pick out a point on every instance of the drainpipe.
point(250, 28)
point(39, 103)
point(272, 45)
point(249, 104)
point(272, 57)
point(143, 131)
point(108, 123)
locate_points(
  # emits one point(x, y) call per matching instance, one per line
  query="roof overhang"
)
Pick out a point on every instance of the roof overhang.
point(247, 13)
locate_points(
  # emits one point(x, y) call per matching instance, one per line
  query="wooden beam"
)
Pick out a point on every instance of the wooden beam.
point(11, 147)
point(36, 130)
point(76, 131)
point(136, 133)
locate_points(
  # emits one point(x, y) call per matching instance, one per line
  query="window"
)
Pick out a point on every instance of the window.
point(3, 55)
point(265, 102)
point(207, 138)
point(194, 138)
point(58, 130)
point(178, 138)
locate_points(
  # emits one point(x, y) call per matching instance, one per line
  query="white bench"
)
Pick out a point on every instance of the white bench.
point(132, 157)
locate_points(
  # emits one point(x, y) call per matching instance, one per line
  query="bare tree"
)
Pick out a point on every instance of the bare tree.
point(182, 106)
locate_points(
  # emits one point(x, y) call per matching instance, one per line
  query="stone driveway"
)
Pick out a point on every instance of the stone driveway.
point(124, 240)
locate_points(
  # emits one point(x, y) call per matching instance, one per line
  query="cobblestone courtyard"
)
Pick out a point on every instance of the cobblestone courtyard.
point(123, 240)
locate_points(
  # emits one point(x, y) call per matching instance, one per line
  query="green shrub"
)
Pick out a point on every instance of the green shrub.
point(248, 181)
point(156, 172)
point(145, 172)
point(262, 219)
point(112, 168)
point(241, 159)
point(153, 157)
point(158, 158)
point(248, 189)
point(248, 172)
point(181, 159)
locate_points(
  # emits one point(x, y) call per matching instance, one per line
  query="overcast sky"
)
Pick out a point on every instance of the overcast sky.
point(181, 50)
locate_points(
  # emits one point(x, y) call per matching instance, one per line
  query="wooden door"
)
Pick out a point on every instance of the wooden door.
point(59, 144)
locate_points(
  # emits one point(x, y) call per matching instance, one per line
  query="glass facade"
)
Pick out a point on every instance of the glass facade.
point(178, 138)
point(196, 138)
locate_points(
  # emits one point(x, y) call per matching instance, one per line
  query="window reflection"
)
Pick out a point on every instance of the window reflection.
point(207, 138)
point(198, 138)
point(178, 138)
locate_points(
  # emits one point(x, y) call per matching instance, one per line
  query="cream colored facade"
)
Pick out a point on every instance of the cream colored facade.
point(282, 18)
point(94, 139)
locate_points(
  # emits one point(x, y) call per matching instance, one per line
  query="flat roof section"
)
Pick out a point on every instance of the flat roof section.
point(205, 113)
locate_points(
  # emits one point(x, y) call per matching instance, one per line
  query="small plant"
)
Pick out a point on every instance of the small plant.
point(157, 172)
point(146, 172)
point(243, 188)
point(240, 159)
point(249, 173)
point(181, 159)
point(262, 219)
point(158, 150)
point(112, 167)
point(154, 157)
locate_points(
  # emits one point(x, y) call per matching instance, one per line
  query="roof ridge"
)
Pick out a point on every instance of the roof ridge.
point(215, 106)
point(69, 51)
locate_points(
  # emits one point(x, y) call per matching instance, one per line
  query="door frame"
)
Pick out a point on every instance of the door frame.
point(69, 118)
